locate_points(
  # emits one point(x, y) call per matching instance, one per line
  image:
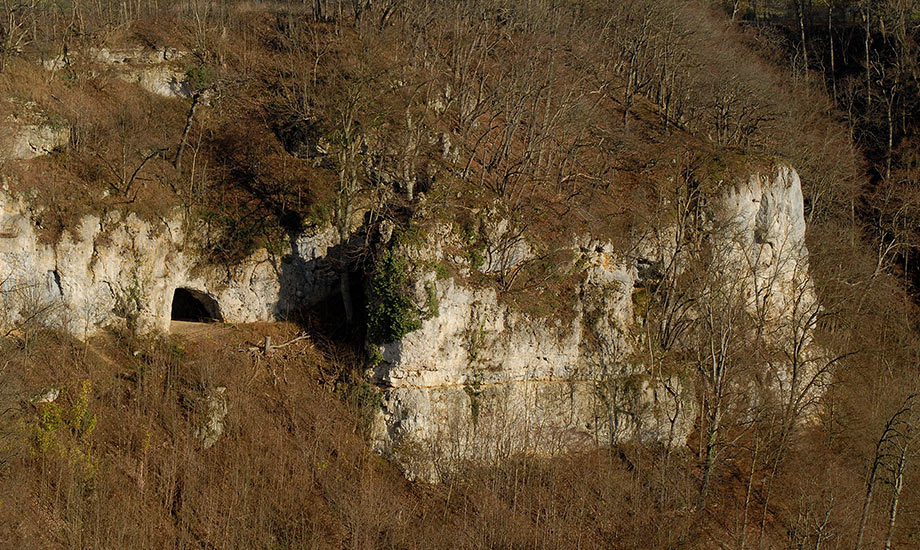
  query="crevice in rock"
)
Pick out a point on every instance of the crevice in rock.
point(56, 278)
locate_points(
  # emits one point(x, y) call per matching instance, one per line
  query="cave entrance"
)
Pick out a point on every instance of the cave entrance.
point(194, 306)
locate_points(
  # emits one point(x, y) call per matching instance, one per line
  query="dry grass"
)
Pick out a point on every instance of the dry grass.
point(293, 469)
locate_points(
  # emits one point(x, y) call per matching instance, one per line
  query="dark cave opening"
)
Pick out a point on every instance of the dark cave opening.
point(195, 306)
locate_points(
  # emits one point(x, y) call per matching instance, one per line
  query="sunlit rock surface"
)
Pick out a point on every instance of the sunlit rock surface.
point(119, 269)
point(481, 382)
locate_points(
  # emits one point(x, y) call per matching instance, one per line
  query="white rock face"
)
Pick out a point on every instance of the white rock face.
point(481, 382)
point(763, 225)
point(153, 70)
point(28, 141)
point(763, 249)
point(119, 269)
point(47, 395)
point(213, 406)
point(30, 133)
point(477, 382)
point(162, 81)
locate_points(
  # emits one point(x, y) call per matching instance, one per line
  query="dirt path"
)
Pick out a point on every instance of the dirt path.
point(197, 331)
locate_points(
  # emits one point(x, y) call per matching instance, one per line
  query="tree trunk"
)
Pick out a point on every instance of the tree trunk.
point(830, 38)
point(347, 304)
point(768, 492)
point(747, 496)
point(890, 135)
point(867, 500)
point(897, 486)
point(627, 99)
point(188, 126)
point(709, 462)
point(868, 60)
point(820, 536)
point(801, 9)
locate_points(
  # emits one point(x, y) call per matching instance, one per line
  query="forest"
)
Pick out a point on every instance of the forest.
point(616, 119)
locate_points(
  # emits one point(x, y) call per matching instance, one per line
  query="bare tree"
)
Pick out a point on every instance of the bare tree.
point(891, 453)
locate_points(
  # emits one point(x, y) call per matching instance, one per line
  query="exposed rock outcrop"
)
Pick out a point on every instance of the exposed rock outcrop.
point(30, 133)
point(214, 406)
point(481, 381)
point(156, 71)
point(119, 269)
point(763, 223)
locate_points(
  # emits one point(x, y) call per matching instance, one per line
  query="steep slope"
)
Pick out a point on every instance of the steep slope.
point(482, 381)
point(551, 254)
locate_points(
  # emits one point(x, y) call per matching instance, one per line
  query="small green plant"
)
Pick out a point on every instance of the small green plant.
point(581, 263)
point(475, 246)
point(476, 254)
point(475, 336)
point(46, 427)
point(474, 340)
point(319, 214)
point(375, 355)
point(640, 300)
point(65, 431)
point(68, 76)
point(80, 421)
point(412, 234)
point(433, 304)
point(200, 77)
point(473, 388)
point(364, 399)
point(391, 314)
point(441, 271)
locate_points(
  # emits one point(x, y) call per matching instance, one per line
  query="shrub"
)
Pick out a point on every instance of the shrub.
point(65, 432)
point(473, 388)
point(300, 137)
point(374, 355)
point(432, 301)
point(391, 314)
point(201, 77)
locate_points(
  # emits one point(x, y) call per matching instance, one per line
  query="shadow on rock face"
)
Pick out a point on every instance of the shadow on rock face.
point(310, 279)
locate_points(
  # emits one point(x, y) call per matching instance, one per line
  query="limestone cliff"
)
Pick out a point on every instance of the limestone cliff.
point(118, 269)
point(481, 381)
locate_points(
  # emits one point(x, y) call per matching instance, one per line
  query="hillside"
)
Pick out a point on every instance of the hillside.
point(484, 274)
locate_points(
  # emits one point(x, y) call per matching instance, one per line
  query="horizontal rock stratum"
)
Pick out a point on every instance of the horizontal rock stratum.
point(481, 382)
